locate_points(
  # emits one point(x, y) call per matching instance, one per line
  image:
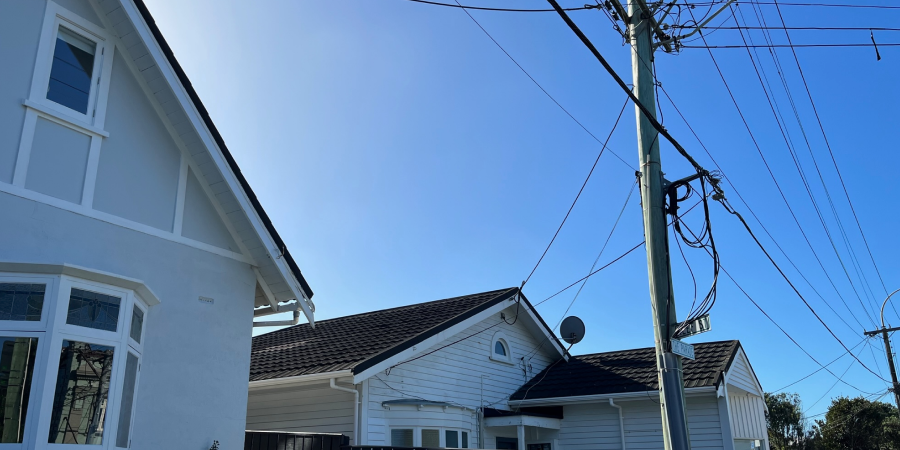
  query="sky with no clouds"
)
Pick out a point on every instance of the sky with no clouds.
point(404, 158)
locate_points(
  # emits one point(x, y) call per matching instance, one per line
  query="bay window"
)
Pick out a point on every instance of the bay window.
point(70, 352)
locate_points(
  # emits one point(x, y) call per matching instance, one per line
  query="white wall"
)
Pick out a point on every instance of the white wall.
point(596, 425)
point(193, 382)
point(314, 408)
point(452, 375)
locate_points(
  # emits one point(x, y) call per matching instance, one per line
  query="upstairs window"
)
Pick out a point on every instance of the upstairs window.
point(72, 70)
point(500, 349)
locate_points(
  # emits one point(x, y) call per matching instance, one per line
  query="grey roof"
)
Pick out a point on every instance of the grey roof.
point(360, 341)
point(625, 371)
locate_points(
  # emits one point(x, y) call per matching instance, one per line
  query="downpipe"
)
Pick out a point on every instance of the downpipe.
point(355, 393)
point(621, 421)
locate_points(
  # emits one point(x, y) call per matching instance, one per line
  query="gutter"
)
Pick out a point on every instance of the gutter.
point(621, 421)
point(602, 398)
point(299, 379)
point(355, 393)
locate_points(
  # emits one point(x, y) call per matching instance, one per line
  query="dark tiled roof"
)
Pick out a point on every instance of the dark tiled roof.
point(625, 371)
point(360, 341)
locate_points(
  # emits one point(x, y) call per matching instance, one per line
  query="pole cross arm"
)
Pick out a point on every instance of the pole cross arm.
point(885, 330)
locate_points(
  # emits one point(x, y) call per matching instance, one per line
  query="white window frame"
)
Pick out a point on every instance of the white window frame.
point(51, 331)
point(501, 337)
point(56, 16)
point(417, 433)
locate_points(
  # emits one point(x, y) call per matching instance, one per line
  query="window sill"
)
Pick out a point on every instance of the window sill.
point(500, 360)
point(64, 119)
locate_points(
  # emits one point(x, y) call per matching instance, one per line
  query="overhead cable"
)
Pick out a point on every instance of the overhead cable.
point(577, 196)
point(482, 8)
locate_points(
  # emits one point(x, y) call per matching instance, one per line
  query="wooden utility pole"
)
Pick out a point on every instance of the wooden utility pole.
point(662, 299)
point(895, 387)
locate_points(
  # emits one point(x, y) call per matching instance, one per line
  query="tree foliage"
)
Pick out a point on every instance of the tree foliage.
point(788, 430)
point(858, 423)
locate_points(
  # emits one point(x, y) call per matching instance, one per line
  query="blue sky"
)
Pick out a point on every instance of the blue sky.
point(404, 158)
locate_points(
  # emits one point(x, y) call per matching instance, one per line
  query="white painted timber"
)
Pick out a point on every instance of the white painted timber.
point(311, 407)
point(748, 417)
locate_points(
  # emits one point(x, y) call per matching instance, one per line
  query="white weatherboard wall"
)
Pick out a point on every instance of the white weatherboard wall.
point(193, 381)
point(313, 408)
point(596, 425)
point(453, 375)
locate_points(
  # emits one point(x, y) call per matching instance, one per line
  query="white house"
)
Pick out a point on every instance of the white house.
point(133, 253)
point(485, 371)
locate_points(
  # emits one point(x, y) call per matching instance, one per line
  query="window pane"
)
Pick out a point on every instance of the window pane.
point(465, 440)
point(499, 348)
point(82, 388)
point(131, 368)
point(137, 324)
point(16, 369)
point(21, 301)
point(93, 310)
point(71, 71)
point(451, 439)
point(402, 438)
point(431, 438)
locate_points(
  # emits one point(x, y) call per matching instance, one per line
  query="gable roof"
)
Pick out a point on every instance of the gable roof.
point(626, 371)
point(361, 341)
point(248, 191)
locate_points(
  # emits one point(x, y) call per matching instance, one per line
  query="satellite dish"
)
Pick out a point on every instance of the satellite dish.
point(572, 330)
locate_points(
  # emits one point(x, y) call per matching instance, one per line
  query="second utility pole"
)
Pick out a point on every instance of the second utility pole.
point(674, 420)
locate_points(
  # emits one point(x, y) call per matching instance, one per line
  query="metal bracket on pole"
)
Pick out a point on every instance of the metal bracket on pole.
point(698, 28)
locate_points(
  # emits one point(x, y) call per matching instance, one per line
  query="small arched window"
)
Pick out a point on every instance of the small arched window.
point(500, 349)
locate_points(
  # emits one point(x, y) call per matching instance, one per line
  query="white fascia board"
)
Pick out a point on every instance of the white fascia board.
point(84, 273)
point(216, 155)
point(421, 347)
point(528, 421)
point(300, 379)
point(601, 398)
point(547, 333)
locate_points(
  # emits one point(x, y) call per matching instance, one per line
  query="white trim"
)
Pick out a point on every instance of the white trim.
point(55, 16)
point(500, 336)
point(546, 332)
point(62, 119)
point(526, 420)
point(178, 224)
point(90, 175)
point(436, 339)
point(23, 157)
point(124, 223)
point(84, 273)
point(300, 379)
point(216, 154)
point(602, 398)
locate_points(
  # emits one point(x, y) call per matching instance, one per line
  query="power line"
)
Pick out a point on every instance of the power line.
point(777, 185)
point(886, 44)
point(794, 288)
point(824, 5)
point(605, 243)
point(542, 88)
point(830, 152)
point(773, 106)
point(747, 27)
point(577, 196)
point(780, 328)
point(482, 8)
point(759, 221)
point(591, 274)
point(830, 389)
point(820, 368)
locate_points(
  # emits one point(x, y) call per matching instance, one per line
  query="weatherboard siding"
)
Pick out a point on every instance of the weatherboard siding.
point(596, 426)
point(741, 376)
point(313, 408)
point(454, 375)
point(748, 420)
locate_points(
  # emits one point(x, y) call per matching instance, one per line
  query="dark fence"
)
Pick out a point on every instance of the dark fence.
point(282, 440)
